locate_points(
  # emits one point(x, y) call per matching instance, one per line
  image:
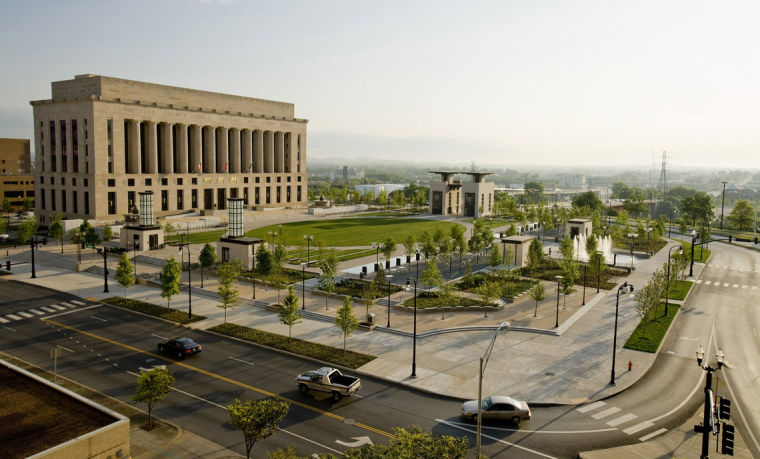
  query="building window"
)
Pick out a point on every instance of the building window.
point(74, 201)
point(289, 177)
point(64, 152)
point(258, 179)
point(85, 183)
point(287, 196)
point(75, 145)
point(111, 202)
point(164, 181)
point(42, 202)
point(225, 254)
point(87, 201)
point(63, 201)
point(180, 199)
point(131, 182)
point(194, 199)
point(164, 200)
point(269, 179)
point(298, 193)
point(148, 182)
point(299, 178)
point(42, 180)
point(130, 200)
point(269, 195)
point(53, 164)
point(111, 182)
point(179, 181)
point(52, 199)
point(109, 134)
point(194, 181)
point(257, 196)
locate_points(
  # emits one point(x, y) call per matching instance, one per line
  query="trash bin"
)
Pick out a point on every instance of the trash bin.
point(371, 318)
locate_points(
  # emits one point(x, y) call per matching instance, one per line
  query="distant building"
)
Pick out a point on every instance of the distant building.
point(572, 181)
point(376, 189)
point(450, 196)
point(17, 180)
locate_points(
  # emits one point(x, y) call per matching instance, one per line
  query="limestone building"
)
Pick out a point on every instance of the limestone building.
point(450, 196)
point(101, 140)
point(17, 180)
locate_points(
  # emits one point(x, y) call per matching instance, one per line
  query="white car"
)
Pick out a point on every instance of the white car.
point(497, 407)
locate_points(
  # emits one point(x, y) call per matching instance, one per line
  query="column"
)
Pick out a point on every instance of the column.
point(246, 150)
point(268, 151)
point(258, 151)
point(222, 151)
point(234, 149)
point(134, 166)
point(291, 148)
point(167, 148)
point(151, 155)
point(279, 152)
point(195, 149)
point(181, 145)
point(209, 154)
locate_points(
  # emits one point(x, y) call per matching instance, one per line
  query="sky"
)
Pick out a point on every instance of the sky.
point(531, 82)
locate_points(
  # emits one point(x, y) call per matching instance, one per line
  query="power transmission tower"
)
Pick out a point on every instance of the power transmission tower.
point(662, 184)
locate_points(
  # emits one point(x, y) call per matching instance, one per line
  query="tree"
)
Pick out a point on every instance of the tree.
point(257, 419)
point(169, 228)
point(537, 293)
point(107, 233)
point(428, 246)
point(588, 200)
point(124, 275)
point(414, 443)
point(278, 259)
point(533, 194)
point(263, 260)
point(620, 190)
point(369, 294)
point(388, 247)
point(170, 279)
point(697, 207)
point(432, 276)
point(346, 320)
point(494, 259)
point(228, 292)
point(591, 245)
point(444, 248)
point(91, 236)
point(742, 216)
point(409, 244)
point(289, 311)
point(488, 292)
point(535, 254)
point(566, 286)
point(635, 202)
point(207, 258)
point(56, 231)
point(26, 230)
point(468, 280)
point(329, 268)
point(153, 386)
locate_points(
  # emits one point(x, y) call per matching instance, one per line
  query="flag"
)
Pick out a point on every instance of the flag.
point(226, 164)
point(199, 167)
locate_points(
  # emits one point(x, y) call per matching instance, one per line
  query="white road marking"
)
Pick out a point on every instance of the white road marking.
point(653, 434)
point(736, 285)
point(622, 419)
point(591, 407)
point(13, 317)
point(605, 413)
point(242, 361)
point(699, 281)
point(310, 441)
point(360, 441)
point(9, 328)
point(4, 321)
point(65, 349)
point(47, 309)
point(98, 318)
point(60, 308)
point(39, 313)
point(68, 305)
point(493, 438)
point(707, 282)
point(78, 302)
point(25, 314)
point(744, 286)
point(725, 284)
point(69, 312)
point(518, 429)
point(158, 336)
point(754, 287)
point(640, 426)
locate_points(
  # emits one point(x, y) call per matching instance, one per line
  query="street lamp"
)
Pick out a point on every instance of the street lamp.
point(272, 234)
point(135, 243)
point(308, 238)
point(33, 243)
point(672, 217)
point(625, 288)
point(182, 245)
point(303, 286)
point(667, 291)
point(376, 246)
point(556, 322)
point(389, 277)
point(648, 230)
point(414, 339)
point(633, 237)
point(585, 267)
point(693, 240)
point(483, 363)
point(417, 262)
point(707, 426)
point(105, 269)
point(722, 205)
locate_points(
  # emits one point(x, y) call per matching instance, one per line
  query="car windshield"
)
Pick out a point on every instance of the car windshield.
point(486, 403)
point(186, 343)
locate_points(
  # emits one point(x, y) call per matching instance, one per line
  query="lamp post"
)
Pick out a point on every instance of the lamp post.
point(722, 205)
point(308, 238)
point(483, 363)
point(667, 291)
point(388, 277)
point(32, 244)
point(693, 239)
point(625, 288)
point(648, 230)
point(632, 237)
point(585, 267)
point(105, 269)
point(707, 426)
point(556, 321)
point(182, 245)
point(303, 286)
point(414, 336)
point(135, 243)
point(272, 234)
point(598, 270)
point(417, 263)
point(280, 226)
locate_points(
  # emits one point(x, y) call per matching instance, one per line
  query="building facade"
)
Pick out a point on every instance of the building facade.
point(450, 196)
point(102, 140)
point(17, 180)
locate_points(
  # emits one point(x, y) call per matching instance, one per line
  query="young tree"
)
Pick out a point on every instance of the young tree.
point(566, 287)
point(535, 254)
point(444, 248)
point(494, 259)
point(26, 230)
point(91, 236)
point(468, 280)
point(742, 216)
point(56, 230)
point(289, 311)
point(169, 228)
point(124, 275)
point(170, 279)
point(327, 279)
point(346, 320)
point(432, 276)
point(207, 258)
point(152, 387)
point(228, 292)
point(538, 293)
point(369, 294)
point(107, 233)
point(592, 244)
point(263, 260)
point(409, 245)
point(428, 246)
point(388, 247)
point(257, 419)
point(488, 292)
point(278, 259)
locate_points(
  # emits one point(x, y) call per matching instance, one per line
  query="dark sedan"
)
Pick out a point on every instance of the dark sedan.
point(179, 347)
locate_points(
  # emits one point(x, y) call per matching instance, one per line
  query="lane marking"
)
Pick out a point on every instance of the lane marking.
point(159, 336)
point(4, 321)
point(699, 281)
point(39, 313)
point(70, 312)
point(494, 438)
point(13, 317)
point(725, 284)
point(653, 434)
point(222, 378)
point(47, 309)
point(25, 314)
point(9, 328)
point(60, 308)
point(65, 348)
point(68, 305)
point(242, 361)
point(707, 282)
point(98, 318)
point(622, 419)
point(641, 426)
point(553, 432)
point(591, 407)
point(736, 285)
point(605, 413)
point(743, 287)
point(78, 302)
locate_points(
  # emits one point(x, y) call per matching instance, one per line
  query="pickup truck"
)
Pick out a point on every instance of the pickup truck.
point(329, 380)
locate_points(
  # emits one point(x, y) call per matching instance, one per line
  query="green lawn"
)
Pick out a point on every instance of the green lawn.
point(163, 312)
point(427, 300)
point(317, 351)
point(288, 276)
point(198, 238)
point(508, 288)
point(701, 254)
point(679, 289)
point(354, 231)
point(494, 222)
point(650, 331)
point(355, 288)
point(297, 257)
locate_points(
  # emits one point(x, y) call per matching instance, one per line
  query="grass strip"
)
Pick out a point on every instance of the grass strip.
point(174, 315)
point(426, 300)
point(317, 351)
point(701, 254)
point(197, 238)
point(652, 329)
point(679, 289)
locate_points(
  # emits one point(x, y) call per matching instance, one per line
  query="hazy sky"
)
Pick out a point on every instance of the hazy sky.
point(521, 82)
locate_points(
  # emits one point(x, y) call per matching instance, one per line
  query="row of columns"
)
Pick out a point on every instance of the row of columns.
point(215, 149)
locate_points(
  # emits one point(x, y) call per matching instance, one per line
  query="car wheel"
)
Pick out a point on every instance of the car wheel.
point(303, 388)
point(336, 396)
point(516, 420)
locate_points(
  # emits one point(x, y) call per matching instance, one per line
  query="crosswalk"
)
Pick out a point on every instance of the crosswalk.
point(722, 284)
point(615, 417)
point(40, 311)
point(733, 268)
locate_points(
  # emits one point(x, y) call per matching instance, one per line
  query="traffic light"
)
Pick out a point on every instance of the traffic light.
point(727, 443)
point(724, 412)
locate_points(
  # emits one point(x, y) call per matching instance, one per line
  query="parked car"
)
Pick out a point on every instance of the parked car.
point(179, 347)
point(497, 407)
point(329, 380)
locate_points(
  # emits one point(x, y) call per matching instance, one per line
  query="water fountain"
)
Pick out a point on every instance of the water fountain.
point(604, 246)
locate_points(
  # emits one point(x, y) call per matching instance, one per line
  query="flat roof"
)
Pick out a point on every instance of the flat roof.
point(516, 239)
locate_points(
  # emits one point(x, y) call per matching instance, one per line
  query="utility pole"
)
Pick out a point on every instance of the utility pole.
point(722, 205)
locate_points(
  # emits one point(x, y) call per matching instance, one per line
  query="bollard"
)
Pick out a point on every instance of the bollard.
point(630, 365)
